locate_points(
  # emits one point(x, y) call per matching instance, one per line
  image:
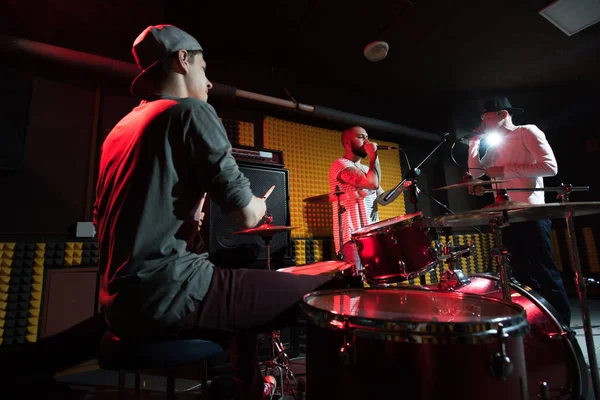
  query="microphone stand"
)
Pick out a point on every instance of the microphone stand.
point(412, 175)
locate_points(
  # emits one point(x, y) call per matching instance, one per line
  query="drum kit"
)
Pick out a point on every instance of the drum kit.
point(467, 336)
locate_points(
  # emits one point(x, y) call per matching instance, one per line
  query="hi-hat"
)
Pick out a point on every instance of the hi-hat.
point(516, 212)
point(471, 182)
point(265, 230)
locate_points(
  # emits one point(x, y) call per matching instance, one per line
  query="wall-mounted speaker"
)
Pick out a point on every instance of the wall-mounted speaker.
point(232, 250)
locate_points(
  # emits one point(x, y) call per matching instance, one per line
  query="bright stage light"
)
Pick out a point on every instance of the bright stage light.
point(493, 139)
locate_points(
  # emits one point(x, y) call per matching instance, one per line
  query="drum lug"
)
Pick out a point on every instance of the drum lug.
point(558, 335)
point(393, 239)
point(500, 365)
point(402, 269)
point(346, 352)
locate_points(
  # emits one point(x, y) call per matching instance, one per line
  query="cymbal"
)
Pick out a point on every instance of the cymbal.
point(265, 230)
point(471, 182)
point(516, 212)
point(324, 198)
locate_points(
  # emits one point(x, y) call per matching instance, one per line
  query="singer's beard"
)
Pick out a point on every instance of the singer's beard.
point(359, 151)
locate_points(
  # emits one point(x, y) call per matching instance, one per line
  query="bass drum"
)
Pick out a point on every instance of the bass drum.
point(552, 353)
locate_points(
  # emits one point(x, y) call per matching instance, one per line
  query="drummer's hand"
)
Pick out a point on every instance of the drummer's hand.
point(371, 149)
point(200, 220)
point(495, 172)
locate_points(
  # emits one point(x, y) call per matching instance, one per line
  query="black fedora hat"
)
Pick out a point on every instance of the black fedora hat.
point(498, 103)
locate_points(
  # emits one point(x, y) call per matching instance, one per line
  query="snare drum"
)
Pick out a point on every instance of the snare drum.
point(409, 343)
point(333, 269)
point(397, 249)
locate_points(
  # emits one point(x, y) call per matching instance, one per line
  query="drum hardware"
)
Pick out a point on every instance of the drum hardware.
point(341, 210)
point(501, 255)
point(346, 351)
point(453, 277)
point(506, 211)
point(500, 365)
point(544, 391)
point(591, 281)
point(468, 181)
point(280, 360)
point(563, 196)
point(266, 231)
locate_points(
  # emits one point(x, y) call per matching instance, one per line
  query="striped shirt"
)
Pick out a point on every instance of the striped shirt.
point(360, 212)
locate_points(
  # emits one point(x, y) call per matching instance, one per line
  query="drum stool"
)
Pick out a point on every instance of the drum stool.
point(115, 354)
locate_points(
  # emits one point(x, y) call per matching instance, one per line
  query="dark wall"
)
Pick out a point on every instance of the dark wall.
point(46, 193)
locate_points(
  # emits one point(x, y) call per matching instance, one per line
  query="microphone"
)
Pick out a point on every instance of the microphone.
point(387, 148)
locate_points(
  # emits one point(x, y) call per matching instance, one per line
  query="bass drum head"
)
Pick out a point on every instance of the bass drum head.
point(552, 353)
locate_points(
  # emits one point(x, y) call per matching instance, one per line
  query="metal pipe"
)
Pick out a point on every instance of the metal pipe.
point(126, 71)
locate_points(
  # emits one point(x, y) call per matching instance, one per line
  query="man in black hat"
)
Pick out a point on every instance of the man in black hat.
point(522, 157)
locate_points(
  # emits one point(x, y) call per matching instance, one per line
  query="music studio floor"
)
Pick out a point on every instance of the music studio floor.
point(89, 382)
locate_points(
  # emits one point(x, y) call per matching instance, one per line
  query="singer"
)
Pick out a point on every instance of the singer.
point(523, 159)
point(361, 187)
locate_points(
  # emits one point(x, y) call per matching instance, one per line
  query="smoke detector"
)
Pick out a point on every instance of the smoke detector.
point(376, 51)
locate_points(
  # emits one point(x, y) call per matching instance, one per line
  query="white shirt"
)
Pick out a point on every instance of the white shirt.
point(526, 157)
point(360, 212)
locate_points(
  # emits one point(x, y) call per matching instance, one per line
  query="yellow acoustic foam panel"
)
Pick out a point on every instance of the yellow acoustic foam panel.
point(246, 134)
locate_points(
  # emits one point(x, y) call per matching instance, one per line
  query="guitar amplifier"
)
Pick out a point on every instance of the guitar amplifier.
point(251, 155)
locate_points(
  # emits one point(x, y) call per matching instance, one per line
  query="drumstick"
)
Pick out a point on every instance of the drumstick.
point(200, 206)
point(268, 192)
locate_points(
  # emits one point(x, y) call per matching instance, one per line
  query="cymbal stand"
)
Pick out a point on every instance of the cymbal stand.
point(501, 254)
point(268, 219)
point(280, 360)
point(563, 196)
point(564, 192)
point(341, 210)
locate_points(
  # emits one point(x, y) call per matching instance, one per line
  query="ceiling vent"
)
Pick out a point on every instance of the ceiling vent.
point(572, 16)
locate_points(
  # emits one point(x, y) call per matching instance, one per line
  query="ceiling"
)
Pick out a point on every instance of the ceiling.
point(438, 49)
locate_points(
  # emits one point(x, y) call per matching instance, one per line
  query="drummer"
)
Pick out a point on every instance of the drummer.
point(522, 157)
point(361, 187)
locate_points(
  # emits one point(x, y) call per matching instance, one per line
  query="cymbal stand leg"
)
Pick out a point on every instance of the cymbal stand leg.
point(280, 361)
point(582, 292)
point(341, 210)
point(267, 240)
point(501, 255)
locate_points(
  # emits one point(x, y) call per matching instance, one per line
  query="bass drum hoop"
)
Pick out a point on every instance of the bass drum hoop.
point(580, 387)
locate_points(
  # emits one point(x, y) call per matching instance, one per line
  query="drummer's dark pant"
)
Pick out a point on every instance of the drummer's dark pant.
point(239, 305)
point(243, 303)
point(530, 246)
